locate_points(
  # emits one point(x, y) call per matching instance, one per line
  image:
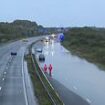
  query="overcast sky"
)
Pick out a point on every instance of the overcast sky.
point(55, 12)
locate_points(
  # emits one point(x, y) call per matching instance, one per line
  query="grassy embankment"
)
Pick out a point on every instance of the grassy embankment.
point(40, 91)
point(87, 43)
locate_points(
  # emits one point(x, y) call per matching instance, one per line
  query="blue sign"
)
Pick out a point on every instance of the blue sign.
point(61, 37)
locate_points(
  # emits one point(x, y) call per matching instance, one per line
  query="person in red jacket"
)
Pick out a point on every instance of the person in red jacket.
point(45, 68)
point(50, 69)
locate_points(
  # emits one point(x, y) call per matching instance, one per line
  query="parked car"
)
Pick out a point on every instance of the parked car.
point(13, 53)
point(41, 57)
point(46, 39)
point(25, 40)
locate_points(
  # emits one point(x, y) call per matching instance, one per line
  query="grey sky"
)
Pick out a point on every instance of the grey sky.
point(55, 12)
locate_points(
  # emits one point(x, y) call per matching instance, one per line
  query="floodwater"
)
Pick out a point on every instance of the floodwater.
point(78, 75)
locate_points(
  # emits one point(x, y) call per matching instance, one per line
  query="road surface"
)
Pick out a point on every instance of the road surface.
point(15, 85)
point(67, 96)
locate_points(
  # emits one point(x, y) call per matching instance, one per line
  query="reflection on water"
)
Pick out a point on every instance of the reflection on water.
point(78, 75)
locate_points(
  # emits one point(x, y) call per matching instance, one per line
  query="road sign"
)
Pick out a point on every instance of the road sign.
point(61, 37)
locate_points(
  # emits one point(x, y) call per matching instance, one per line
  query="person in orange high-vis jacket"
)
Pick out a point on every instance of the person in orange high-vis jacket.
point(50, 69)
point(45, 68)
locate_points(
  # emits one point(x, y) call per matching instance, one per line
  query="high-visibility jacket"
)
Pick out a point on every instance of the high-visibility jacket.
point(50, 67)
point(45, 67)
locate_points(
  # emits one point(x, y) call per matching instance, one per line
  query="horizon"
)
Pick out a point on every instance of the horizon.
point(53, 26)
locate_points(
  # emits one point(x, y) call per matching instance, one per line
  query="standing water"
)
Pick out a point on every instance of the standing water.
point(76, 74)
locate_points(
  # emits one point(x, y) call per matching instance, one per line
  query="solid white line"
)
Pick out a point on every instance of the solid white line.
point(0, 88)
point(88, 100)
point(24, 88)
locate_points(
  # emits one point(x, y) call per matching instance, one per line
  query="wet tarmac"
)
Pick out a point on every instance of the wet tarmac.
point(75, 75)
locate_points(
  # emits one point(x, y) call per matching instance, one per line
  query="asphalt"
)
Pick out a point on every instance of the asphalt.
point(66, 95)
point(14, 88)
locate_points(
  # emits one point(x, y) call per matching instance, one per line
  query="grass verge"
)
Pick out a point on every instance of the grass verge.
point(39, 91)
point(44, 92)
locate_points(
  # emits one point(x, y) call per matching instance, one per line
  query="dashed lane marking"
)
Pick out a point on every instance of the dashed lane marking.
point(5, 72)
point(3, 79)
point(6, 68)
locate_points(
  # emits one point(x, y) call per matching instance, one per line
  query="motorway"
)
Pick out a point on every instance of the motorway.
point(67, 96)
point(15, 85)
point(77, 81)
point(74, 89)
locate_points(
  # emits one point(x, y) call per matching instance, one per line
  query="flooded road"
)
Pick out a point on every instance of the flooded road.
point(79, 76)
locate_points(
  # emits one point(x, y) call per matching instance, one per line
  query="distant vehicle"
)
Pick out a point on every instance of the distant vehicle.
point(38, 50)
point(46, 39)
point(25, 40)
point(13, 53)
point(53, 36)
point(41, 57)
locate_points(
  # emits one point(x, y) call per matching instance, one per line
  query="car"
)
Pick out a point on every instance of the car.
point(46, 39)
point(38, 50)
point(25, 40)
point(53, 36)
point(41, 57)
point(13, 53)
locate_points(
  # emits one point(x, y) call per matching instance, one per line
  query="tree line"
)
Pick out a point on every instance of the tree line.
point(19, 29)
point(88, 42)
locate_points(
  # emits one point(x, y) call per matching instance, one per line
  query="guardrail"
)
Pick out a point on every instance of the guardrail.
point(54, 97)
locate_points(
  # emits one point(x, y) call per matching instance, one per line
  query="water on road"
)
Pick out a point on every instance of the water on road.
point(76, 74)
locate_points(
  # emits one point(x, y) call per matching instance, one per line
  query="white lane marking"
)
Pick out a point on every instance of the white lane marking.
point(3, 79)
point(24, 88)
point(0, 88)
point(88, 100)
point(75, 87)
point(6, 68)
point(5, 72)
